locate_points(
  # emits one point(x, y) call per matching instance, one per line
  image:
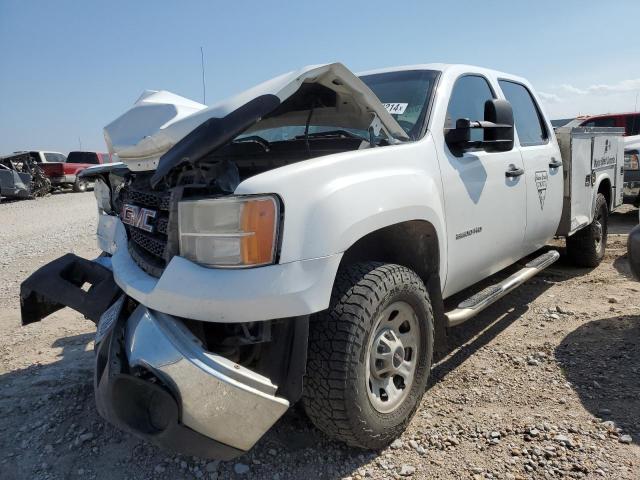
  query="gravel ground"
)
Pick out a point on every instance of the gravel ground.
point(544, 384)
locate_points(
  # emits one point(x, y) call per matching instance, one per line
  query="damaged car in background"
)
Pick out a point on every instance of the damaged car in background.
point(297, 242)
point(21, 177)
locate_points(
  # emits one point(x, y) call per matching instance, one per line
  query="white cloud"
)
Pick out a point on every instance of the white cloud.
point(549, 97)
point(567, 100)
point(620, 87)
point(571, 89)
point(604, 89)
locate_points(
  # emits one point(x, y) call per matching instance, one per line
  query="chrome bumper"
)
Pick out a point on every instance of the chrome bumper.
point(631, 191)
point(218, 398)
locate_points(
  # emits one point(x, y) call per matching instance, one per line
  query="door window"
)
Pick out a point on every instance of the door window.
point(526, 115)
point(467, 101)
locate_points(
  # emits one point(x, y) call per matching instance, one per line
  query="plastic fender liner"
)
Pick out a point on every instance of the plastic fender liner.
point(60, 284)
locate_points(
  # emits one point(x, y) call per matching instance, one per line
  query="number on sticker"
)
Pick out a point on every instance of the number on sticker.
point(396, 108)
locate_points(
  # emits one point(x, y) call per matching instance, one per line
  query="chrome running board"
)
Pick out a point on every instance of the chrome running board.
point(481, 300)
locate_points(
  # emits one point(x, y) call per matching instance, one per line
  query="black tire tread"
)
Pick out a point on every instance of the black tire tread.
point(581, 247)
point(335, 336)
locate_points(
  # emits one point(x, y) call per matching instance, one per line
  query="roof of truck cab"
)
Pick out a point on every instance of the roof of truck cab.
point(445, 67)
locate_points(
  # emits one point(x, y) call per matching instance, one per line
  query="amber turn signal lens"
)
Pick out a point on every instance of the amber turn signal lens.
point(259, 222)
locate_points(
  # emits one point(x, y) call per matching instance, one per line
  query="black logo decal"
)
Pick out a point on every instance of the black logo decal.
point(541, 184)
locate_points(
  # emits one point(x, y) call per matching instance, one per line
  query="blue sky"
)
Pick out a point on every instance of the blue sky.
point(68, 68)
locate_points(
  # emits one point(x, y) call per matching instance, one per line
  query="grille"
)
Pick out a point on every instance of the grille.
point(152, 245)
point(148, 249)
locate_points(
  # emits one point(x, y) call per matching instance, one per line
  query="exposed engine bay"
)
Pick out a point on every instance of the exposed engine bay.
point(207, 152)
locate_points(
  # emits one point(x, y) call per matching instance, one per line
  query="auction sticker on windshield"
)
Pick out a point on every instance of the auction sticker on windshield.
point(396, 108)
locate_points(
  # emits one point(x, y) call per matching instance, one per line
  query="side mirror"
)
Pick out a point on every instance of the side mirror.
point(497, 127)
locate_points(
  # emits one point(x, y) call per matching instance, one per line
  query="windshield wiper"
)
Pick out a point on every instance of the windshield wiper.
point(333, 134)
point(255, 139)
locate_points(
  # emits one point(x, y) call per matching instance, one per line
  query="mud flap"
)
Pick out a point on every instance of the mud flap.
point(69, 281)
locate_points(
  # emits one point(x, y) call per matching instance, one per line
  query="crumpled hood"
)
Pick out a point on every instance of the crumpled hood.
point(163, 130)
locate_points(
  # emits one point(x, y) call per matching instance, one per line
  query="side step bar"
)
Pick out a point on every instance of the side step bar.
point(481, 300)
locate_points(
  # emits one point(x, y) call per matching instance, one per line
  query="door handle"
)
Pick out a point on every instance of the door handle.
point(555, 163)
point(514, 172)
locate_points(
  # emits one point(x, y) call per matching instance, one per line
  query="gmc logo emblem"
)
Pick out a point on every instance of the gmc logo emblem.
point(138, 217)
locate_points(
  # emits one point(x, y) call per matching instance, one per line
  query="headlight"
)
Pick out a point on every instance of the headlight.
point(631, 161)
point(230, 231)
point(102, 193)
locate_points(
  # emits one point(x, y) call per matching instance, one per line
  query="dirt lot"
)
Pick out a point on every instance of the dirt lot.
point(544, 384)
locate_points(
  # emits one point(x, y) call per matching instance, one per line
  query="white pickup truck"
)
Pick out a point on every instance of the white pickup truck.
point(297, 242)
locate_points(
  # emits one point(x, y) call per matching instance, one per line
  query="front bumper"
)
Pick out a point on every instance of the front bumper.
point(631, 192)
point(188, 290)
point(154, 379)
point(63, 180)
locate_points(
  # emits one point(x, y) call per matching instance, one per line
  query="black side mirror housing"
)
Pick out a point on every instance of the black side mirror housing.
point(497, 127)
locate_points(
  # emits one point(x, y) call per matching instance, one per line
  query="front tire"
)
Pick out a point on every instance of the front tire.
point(369, 355)
point(586, 248)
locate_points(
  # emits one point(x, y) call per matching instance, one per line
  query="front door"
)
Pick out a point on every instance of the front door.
point(542, 164)
point(485, 208)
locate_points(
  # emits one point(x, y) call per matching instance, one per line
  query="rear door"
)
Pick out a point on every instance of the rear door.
point(542, 165)
point(484, 209)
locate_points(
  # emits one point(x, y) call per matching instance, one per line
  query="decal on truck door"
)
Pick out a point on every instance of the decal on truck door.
point(541, 184)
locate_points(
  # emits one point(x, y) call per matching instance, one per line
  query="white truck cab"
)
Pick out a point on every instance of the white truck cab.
point(297, 242)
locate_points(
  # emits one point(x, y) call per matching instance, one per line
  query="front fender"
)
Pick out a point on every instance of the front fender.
point(331, 202)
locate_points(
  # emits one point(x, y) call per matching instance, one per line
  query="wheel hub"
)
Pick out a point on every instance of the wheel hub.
point(597, 227)
point(392, 357)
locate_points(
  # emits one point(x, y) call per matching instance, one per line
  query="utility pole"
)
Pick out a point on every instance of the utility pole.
point(204, 85)
point(80, 143)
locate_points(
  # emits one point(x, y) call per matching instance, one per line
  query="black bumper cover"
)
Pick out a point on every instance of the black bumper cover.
point(60, 284)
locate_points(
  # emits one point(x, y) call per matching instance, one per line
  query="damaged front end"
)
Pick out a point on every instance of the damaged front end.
point(201, 333)
point(21, 177)
point(156, 379)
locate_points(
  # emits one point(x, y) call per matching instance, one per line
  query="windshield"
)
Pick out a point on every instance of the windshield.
point(405, 95)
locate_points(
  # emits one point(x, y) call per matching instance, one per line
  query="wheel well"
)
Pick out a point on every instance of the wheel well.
point(413, 244)
point(605, 189)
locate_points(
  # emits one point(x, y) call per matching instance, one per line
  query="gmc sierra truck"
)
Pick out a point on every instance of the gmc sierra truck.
point(298, 242)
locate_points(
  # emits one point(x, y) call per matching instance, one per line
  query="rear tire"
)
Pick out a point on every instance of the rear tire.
point(80, 186)
point(369, 355)
point(586, 248)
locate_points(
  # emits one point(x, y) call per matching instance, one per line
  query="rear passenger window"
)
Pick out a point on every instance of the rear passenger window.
point(526, 116)
point(632, 125)
point(54, 157)
point(467, 101)
point(607, 122)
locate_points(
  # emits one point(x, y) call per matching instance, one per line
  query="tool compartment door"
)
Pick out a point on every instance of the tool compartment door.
point(581, 183)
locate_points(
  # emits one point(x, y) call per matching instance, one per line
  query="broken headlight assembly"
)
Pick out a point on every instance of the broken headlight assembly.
point(102, 192)
point(229, 232)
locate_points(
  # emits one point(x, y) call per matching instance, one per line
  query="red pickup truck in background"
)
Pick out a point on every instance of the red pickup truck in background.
point(66, 174)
